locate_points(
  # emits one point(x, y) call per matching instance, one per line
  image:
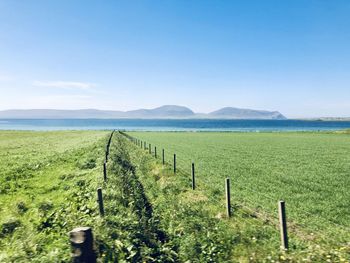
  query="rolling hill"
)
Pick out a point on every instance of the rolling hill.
point(163, 112)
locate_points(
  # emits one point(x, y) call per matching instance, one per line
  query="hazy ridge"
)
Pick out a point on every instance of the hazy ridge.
point(163, 112)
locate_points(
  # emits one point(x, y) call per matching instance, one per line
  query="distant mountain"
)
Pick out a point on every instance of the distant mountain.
point(163, 112)
point(59, 114)
point(327, 119)
point(236, 113)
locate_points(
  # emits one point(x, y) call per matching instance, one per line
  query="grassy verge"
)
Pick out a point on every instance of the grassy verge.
point(48, 182)
point(308, 170)
point(316, 242)
point(151, 215)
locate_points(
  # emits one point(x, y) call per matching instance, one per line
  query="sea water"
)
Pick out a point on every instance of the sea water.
point(172, 125)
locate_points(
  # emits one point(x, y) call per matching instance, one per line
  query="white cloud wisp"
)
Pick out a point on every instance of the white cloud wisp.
point(65, 85)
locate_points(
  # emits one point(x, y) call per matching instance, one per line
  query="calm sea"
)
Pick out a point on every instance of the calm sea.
point(172, 125)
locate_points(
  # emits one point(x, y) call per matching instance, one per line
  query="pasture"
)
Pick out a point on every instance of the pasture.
point(43, 193)
point(310, 171)
point(49, 182)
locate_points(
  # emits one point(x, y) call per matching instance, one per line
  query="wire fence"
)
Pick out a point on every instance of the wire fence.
point(260, 207)
point(83, 248)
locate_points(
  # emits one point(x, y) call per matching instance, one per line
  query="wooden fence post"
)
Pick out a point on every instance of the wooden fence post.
point(149, 149)
point(82, 244)
point(283, 224)
point(105, 171)
point(163, 157)
point(193, 178)
point(155, 152)
point(228, 197)
point(174, 163)
point(100, 201)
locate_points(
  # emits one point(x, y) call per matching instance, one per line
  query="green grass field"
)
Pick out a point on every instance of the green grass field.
point(310, 171)
point(42, 175)
point(49, 181)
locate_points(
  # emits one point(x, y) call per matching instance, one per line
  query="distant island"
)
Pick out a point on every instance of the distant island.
point(328, 119)
point(163, 112)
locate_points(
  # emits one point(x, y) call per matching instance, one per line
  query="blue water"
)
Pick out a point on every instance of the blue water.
point(172, 125)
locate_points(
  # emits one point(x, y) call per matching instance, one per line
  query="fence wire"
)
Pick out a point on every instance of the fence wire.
point(183, 168)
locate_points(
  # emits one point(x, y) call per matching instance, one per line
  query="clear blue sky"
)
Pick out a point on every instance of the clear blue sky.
point(292, 55)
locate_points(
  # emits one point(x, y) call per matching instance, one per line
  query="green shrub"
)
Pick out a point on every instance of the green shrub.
point(88, 163)
point(9, 226)
point(44, 207)
point(21, 207)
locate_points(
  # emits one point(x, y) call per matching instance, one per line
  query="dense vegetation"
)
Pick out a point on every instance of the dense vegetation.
point(48, 187)
point(308, 170)
point(43, 191)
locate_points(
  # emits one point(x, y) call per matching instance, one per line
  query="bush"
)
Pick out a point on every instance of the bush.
point(45, 206)
point(89, 163)
point(21, 207)
point(9, 226)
